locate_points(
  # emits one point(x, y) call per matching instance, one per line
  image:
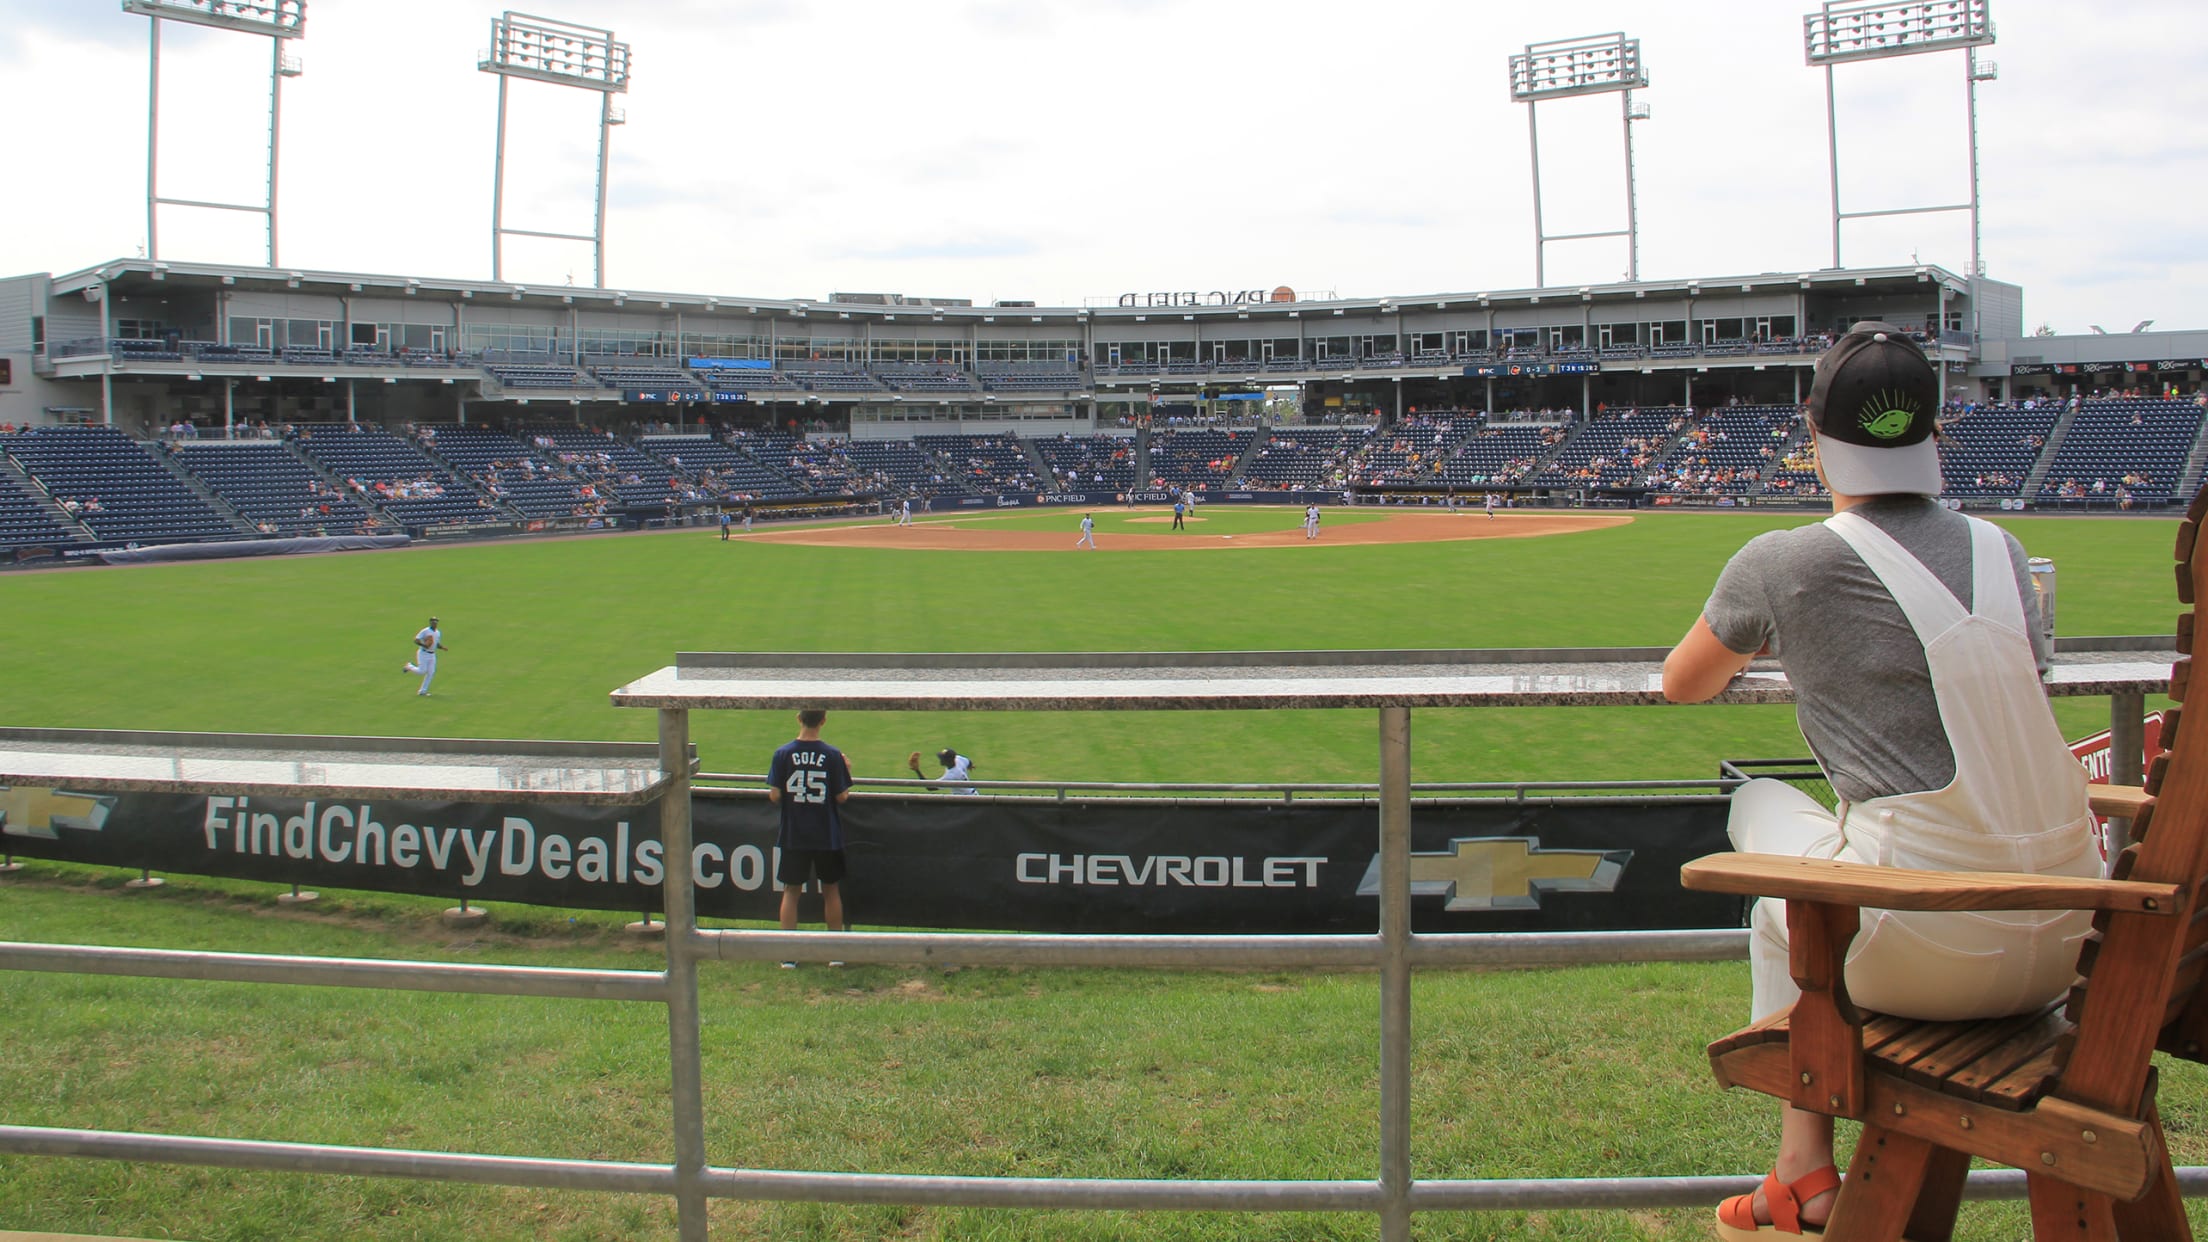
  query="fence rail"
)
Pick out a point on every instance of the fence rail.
point(1392, 951)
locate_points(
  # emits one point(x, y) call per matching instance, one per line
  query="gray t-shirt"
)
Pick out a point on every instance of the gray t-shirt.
point(1862, 688)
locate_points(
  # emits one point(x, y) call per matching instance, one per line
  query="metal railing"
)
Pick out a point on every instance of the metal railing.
point(1393, 952)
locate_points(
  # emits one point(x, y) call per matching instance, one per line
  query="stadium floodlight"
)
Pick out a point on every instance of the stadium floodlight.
point(1561, 69)
point(275, 20)
point(1852, 30)
point(560, 54)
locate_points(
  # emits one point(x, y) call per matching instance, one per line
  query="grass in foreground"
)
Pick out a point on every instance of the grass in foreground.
point(1593, 1072)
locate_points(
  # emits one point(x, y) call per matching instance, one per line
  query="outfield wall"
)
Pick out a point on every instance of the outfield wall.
point(999, 863)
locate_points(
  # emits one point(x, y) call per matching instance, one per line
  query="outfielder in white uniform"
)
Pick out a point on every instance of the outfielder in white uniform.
point(904, 513)
point(427, 643)
point(1088, 531)
point(1310, 521)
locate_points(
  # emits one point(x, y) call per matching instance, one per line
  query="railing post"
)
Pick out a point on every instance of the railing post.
point(1395, 974)
point(678, 897)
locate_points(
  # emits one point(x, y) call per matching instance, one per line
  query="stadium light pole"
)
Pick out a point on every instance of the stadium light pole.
point(276, 20)
point(1882, 29)
point(1558, 69)
point(562, 54)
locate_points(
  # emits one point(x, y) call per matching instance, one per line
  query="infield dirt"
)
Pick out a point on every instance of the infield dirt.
point(979, 534)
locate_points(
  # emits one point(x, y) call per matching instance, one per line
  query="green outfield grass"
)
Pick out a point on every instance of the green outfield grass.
point(1585, 1073)
point(541, 631)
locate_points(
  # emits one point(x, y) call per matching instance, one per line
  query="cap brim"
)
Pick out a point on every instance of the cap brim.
point(1858, 470)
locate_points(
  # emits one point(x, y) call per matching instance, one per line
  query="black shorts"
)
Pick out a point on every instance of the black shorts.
point(797, 868)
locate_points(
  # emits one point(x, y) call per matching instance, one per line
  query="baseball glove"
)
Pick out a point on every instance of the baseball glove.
point(914, 761)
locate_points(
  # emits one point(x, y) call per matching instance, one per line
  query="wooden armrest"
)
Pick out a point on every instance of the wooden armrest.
point(1898, 888)
point(2120, 800)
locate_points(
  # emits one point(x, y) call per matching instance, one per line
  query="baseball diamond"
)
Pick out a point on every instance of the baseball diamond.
point(1275, 540)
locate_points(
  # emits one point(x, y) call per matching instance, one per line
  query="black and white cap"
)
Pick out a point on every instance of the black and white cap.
point(1873, 405)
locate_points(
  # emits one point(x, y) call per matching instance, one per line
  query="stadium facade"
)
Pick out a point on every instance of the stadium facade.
point(143, 344)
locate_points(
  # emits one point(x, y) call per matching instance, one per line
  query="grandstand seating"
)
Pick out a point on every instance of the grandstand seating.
point(831, 377)
point(275, 491)
point(1733, 451)
point(1131, 367)
point(240, 354)
point(120, 489)
point(671, 379)
point(1079, 463)
point(510, 470)
point(1612, 448)
point(2123, 446)
point(1305, 458)
point(1988, 452)
point(1496, 454)
point(615, 474)
point(722, 472)
point(1199, 457)
point(394, 476)
point(127, 349)
point(538, 375)
point(1414, 450)
point(910, 378)
point(25, 520)
point(745, 379)
point(825, 468)
point(984, 463)
point(900, 467)
point(1029, 377)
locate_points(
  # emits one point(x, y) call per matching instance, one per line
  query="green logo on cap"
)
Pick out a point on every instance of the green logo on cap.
point(1886, 417)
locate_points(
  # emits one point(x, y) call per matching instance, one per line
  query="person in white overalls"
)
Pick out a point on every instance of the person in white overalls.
point(1954, 763)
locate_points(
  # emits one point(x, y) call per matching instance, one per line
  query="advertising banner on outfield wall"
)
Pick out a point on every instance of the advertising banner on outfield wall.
point(985, 863)
point(1103, 499)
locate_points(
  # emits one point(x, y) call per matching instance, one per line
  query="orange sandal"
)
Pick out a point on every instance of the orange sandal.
point(1736, 1217)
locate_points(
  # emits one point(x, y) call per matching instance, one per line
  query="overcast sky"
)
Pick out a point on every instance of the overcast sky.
point(1067, 151)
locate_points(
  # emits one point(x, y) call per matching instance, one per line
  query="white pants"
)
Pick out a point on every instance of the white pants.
point(425, 663)
point(1915, 964)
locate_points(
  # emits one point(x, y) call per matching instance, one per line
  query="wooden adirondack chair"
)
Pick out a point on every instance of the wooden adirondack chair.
point(2066, 1094)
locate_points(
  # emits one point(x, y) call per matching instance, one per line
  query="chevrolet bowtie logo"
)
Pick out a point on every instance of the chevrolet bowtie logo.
point(1504, 873)
point(29, 812)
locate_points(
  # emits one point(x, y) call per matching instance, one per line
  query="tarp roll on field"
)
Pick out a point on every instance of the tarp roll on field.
point(227, 548)
point(942, 862)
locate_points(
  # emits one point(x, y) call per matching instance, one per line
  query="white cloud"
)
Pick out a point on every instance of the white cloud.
point(1059, 151)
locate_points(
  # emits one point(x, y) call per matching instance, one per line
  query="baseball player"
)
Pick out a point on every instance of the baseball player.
point(747, 518)
point(904, 512)
point(1492, 499)
point(1088, 531)
point(1311, 521)
point(956, 767)
point(427, 643)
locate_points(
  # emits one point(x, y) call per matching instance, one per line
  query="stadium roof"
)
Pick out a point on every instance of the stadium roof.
point(344, 283)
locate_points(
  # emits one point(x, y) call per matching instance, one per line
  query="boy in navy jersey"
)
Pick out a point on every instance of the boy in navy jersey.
point(809, 779)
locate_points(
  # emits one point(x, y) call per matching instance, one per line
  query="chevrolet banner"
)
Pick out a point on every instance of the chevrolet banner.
point(995, 863)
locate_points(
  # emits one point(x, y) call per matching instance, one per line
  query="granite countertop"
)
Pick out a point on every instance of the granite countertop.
point(611, 773)
point(1249, 680)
